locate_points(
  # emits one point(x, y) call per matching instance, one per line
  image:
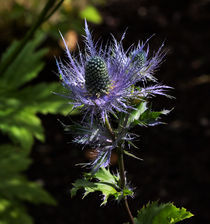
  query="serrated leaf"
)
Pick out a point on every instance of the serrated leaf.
point(22, 125)
point(135, 114)
point(151, 118)
point(19, 107)
point(26, 65)
point(154, 213)
point(18, 112)
point(41, 98)
point(91, 14)
point(103, 181)
point(144, 116)
point(13, 185)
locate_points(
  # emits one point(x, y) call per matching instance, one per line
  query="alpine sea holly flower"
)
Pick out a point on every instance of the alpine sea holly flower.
point(102, 81)
point(147, 64)
point(98, 137)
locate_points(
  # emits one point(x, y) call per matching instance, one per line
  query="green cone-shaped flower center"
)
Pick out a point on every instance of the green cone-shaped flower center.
point(97, 79)
point(140, 58)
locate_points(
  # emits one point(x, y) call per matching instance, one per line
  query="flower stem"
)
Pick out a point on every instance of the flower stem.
point(53, 10)
point(123, 181)
point(109, 128)
point(121, 169)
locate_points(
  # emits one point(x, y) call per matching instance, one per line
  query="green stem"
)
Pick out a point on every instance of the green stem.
point(121, 169)
point(123, 181)
point(53, 10)
point(108, 126)
point(29, 34)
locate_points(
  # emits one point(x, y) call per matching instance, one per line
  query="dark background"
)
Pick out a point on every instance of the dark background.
point(176, 155)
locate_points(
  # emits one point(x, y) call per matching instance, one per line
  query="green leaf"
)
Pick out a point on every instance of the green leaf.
point(19, 106)
point(144, 116)
point(91, 14)
point(151, 117)
point(13, 212)
point(22, 125)
point(42, 98)
point(17, 187)
point(131, 155)
point(18, 112)
point(103, 181)
point(14, 185)
point(12, 161)
point(135, 114)
point(154, 213)
point(25, 67)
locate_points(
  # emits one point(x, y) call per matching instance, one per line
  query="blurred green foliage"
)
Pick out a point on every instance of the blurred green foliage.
point(21, 101)
point(14, 187)
point(70, 16)
point(20, 105)
point(91, 14)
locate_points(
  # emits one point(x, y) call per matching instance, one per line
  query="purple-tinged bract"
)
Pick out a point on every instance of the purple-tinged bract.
point(102, 81)
point(98, 137)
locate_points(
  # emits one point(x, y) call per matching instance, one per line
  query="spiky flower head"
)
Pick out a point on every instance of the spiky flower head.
point(102, 81)
point(97, 137)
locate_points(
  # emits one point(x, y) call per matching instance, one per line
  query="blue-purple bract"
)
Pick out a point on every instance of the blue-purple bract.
point(124, 73)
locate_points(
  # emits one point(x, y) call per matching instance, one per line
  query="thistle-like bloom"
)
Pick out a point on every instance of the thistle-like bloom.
point(97, 137)
point(102, 81)
point(147, 65)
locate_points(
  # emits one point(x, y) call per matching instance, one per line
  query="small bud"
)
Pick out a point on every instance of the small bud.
point(140, 58)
